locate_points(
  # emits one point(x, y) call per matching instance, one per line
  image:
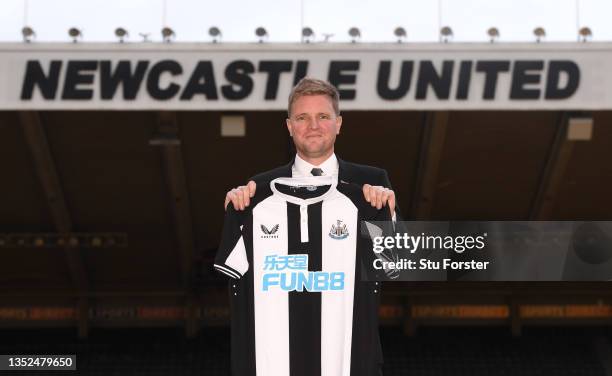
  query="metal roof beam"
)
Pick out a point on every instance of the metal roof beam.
point(432, 145)
point(168, 139)
point(552, 176)
point(46, 171)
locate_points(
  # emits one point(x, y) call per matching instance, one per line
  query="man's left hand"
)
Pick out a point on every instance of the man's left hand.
point(379, 196)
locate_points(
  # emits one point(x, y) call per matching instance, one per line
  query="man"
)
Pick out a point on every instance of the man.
point(314, 121)
point(295, 320)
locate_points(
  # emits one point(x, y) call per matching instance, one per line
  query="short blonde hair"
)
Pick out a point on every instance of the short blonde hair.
point(313, 86)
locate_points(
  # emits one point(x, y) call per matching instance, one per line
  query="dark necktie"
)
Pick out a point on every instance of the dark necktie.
point(316, 171)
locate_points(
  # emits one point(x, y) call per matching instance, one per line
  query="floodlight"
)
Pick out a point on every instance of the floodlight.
point(307, 34)
point(121, 33)
point(75, 34)
point(355, 34)
point(585, 34)
point(168, 34)
point(28, 34)
point(539, 33)
point(215, 33)
point(400, 33)
point(446, 34)
point(261, 33)
point(493, 33)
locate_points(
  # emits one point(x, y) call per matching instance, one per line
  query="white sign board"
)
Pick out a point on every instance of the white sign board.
point(206, 76)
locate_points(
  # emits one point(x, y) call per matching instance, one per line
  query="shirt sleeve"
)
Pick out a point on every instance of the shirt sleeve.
point(231, 258)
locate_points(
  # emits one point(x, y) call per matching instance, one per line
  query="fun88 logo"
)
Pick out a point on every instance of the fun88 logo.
point(290, 273)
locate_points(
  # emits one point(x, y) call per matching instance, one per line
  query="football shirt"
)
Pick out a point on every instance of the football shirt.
point(298, 303)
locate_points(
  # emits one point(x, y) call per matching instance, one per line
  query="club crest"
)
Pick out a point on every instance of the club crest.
point(338, 231)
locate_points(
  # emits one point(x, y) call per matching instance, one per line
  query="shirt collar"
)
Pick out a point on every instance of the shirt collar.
point(330, 180)
point(303, 168)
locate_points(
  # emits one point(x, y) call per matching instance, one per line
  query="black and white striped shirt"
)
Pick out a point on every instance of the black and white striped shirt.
point(296, 257)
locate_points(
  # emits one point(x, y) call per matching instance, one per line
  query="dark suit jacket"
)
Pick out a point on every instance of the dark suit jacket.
point(348, 172)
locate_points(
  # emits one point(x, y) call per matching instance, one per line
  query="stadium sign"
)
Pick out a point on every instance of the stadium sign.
point(255, 77)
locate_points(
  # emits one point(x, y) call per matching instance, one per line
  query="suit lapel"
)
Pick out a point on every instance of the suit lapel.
point(285, 171)
point(345, 172)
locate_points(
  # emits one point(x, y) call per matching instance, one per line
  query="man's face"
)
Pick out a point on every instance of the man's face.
point(314, 125)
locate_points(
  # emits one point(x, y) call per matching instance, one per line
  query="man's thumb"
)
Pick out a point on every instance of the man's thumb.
point(252, 186)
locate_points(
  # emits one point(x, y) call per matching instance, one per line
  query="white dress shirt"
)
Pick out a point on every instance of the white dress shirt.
point(301, 168)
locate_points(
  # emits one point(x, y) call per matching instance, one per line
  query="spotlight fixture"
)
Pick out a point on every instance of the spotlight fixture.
point(539, 33)
point(584, 34)
point(75, 34)
point(28, 34)
point(400, 33)
point(355, 34)
point(73, 241)
point(96, 241)
point(307, 35)
point(261, 33)
point(54, 240)
point(168, 34)
point(215, 33)
point(121, 33)
point(493, 33)
point(446, 34)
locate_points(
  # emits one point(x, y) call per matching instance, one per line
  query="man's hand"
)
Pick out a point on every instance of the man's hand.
point(379, 196)
point(240, 196)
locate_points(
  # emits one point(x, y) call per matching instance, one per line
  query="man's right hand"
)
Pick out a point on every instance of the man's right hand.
point(241, 196)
